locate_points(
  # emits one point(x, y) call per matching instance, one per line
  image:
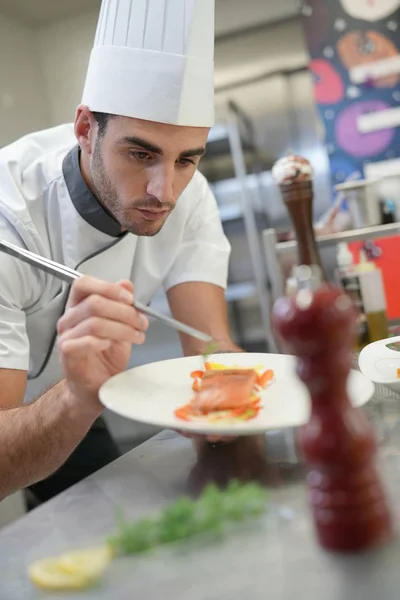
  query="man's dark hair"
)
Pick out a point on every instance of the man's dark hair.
point(102, 120)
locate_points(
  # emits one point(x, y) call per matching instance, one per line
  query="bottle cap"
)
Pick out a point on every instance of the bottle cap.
point(343, 256)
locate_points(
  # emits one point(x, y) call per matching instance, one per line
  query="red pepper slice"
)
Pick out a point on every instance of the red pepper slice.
point(265, 378)
point(196, 385)
point(184, 413)
point(197, 374)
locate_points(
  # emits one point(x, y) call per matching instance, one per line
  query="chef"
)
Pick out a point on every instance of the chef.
point(116, 195)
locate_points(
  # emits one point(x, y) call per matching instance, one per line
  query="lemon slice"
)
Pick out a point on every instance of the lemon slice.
point(216, 367)
point(219, 367)
point(72, 571)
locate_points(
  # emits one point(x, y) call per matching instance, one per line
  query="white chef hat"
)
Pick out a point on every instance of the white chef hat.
point(154, 60)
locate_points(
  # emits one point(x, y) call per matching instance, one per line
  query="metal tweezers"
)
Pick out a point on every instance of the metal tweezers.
point(70, 275)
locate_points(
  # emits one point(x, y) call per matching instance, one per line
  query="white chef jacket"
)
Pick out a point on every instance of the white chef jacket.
point(46, 207)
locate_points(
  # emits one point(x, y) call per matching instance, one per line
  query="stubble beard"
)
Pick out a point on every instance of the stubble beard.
point(109, 200)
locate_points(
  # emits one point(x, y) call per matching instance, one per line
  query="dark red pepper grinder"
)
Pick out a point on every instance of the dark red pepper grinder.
point(347, 499)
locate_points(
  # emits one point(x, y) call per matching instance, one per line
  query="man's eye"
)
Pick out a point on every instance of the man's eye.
point(140, 155)
point(185, 162)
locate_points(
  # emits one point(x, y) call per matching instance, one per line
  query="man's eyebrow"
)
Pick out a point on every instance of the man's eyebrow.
point(137, 141)
point(193, 152)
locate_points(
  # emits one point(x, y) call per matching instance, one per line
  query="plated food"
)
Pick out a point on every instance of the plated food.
point(225, 393)
point(152, 393)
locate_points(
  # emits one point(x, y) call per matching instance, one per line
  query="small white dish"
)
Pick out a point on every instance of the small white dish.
point(381, 364)
point(151, 393)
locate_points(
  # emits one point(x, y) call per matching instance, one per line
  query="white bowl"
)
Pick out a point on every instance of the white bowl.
point(381, 364)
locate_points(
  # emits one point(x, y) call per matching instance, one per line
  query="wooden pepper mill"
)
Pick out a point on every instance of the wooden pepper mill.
point(347, 499)
point(294, 175)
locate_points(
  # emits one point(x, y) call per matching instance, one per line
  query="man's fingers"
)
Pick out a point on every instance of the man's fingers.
point(125, 283)
point(87, 286)
point(82, 347)
point(104, 329)
point(99, 306)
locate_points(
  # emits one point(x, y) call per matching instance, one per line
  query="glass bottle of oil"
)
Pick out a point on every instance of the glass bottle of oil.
point(347, 277)
point(374, 299)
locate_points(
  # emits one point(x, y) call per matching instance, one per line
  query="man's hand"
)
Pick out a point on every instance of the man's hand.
point(96, 333)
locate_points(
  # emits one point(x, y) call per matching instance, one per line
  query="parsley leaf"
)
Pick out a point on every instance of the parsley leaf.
point(212, 513)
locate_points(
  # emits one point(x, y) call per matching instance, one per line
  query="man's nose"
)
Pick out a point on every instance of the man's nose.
point(161, 184)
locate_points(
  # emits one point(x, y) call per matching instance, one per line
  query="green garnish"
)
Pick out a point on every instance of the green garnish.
point(210, 349)
point(212, 513)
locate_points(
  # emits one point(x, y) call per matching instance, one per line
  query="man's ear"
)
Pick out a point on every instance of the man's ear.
point(85, 128)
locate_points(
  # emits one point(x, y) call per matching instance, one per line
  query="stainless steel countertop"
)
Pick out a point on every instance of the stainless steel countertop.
point(277, 559)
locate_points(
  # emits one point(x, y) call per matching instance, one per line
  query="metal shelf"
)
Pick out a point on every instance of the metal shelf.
point(354, 235)
point(233, 157)
point(273, 250)
point(219, 138)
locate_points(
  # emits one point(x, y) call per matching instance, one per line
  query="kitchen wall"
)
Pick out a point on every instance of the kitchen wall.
point(266, 73)
point(235, 15)
point(64, 48)
point(24, 105)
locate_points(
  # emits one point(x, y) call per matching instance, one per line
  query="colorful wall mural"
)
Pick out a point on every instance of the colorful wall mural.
point(341, 35)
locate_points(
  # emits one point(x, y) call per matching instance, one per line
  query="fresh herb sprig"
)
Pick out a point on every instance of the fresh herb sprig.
point(212, 513)
point(210, 349)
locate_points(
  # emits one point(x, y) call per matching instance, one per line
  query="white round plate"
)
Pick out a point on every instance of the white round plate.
point(151, 393)
point(381, 364)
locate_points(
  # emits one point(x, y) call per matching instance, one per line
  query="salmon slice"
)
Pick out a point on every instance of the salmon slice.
point(224, 390)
